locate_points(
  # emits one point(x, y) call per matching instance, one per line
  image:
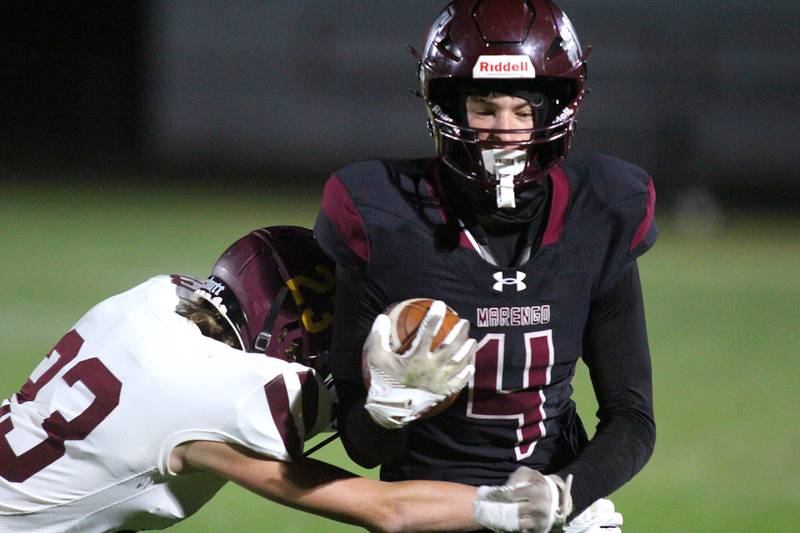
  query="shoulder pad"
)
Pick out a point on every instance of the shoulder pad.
point(612, 180)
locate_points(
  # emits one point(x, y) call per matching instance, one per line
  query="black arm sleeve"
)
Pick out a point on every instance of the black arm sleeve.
point(367, 443)
point(617, 354)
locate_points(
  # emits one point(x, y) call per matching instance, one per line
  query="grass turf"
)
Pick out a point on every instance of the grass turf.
point(722, 313)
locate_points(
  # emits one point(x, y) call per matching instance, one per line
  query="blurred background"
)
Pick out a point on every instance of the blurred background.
point(139, 138)
point(702, 94)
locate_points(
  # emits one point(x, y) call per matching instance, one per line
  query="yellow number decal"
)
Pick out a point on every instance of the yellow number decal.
point(321, 288)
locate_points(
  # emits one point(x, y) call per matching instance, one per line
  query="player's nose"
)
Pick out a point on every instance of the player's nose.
point(504, 125)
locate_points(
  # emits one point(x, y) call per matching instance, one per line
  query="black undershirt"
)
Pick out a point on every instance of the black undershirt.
point(505, 232)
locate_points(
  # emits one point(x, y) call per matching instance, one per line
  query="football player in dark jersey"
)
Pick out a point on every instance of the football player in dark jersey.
point(538, 251)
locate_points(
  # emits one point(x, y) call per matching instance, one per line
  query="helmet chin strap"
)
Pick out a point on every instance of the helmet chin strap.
point(504, 164)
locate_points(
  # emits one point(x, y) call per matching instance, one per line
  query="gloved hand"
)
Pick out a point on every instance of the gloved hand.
point(529, 501)
point(600, 517)
point(403, 386)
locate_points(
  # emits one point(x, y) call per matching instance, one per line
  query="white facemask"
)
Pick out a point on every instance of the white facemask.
point(504, 165)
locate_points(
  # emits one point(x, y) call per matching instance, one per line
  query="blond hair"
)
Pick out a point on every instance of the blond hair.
point(206, 317)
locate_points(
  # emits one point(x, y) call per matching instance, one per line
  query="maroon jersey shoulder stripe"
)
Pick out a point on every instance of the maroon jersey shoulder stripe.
point(647, 221)
point(310, 399)
point(464, 242)
point(338, 206)
point(558, 207)
point(278, 401)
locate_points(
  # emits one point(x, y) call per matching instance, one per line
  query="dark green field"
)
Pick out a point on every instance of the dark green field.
point(723, 311)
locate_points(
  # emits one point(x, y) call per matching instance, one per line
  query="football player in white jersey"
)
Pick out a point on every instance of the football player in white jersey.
point(161, 394)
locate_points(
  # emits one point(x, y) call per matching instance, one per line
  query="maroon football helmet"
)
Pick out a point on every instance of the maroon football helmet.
point(275, 288)
point(525, 48)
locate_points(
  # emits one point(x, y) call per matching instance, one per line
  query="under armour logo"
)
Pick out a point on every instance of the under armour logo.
point(517, 281)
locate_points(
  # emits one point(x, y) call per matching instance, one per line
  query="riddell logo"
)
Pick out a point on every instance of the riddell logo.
point(503, 67)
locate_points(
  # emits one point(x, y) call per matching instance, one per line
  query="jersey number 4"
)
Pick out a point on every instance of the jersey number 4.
point(489, 400)
point(94, 376)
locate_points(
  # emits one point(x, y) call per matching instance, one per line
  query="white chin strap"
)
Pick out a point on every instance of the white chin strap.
point(504, 165)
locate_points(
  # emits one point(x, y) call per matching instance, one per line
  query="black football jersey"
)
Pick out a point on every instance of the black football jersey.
point(387, 219)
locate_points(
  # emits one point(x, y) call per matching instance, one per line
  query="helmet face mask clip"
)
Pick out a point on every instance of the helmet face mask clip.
point(504, 165)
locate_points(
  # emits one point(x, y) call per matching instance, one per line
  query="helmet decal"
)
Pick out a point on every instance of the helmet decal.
point(503, 67)
point(314, 297)
point(215, 292)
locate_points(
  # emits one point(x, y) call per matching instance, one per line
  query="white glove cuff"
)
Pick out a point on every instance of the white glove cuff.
point(600, 517)
point(497, 516)
point(393, 408)
point(554, 501)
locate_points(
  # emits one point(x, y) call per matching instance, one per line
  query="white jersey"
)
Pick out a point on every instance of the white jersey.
point(85, 444)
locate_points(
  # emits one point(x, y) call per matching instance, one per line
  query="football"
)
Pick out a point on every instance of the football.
point(406, 316)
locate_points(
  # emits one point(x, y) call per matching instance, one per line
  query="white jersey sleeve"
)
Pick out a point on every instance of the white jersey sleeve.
point(84, 445)
point(288, 405)
point(298, 409)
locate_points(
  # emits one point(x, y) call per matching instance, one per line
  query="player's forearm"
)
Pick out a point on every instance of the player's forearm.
point(619, 450)
point(431, 506)
point(376, 505)
point(367, 443)
point(329, 491)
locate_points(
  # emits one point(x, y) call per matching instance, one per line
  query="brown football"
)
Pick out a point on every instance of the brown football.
point(406, 317)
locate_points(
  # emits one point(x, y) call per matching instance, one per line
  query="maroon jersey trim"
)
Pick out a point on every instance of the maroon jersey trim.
point(558, 207)
point(338, 206)
point(310, 398)
point(278, 401)
point(647, 221)
point(463, 241)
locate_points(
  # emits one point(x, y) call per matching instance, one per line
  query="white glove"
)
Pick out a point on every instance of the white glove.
point(404, 386)
point(529, 501)
point(600, 517)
